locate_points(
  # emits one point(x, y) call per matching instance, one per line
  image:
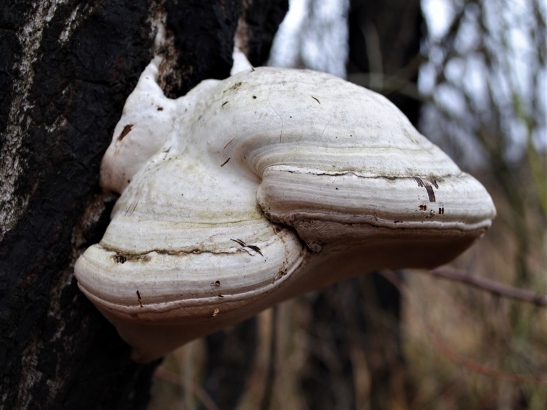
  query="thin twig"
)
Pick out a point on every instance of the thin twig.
point(451, 354)
point(170, 377)
point(489, 285)
point(270, 375)
point(187, 370)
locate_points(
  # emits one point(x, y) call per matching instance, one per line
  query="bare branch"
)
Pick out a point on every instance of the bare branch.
point(489, 285)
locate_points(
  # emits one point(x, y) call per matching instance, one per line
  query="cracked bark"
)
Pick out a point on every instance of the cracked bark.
point(66, 68)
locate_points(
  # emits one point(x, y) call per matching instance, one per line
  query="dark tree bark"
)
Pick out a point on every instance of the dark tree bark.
point(65, 72)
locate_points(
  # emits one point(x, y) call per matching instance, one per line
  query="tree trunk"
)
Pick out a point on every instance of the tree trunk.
point(66, 68)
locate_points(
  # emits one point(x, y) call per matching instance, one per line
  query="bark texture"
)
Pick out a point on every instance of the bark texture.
point(66, 68)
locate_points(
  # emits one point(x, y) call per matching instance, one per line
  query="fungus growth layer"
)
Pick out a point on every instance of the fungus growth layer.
point(251, 190)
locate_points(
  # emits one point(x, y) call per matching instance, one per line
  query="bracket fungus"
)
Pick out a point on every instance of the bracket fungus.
point(254, 189)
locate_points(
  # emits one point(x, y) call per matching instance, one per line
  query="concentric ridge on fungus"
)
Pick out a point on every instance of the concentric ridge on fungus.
point(251, 190)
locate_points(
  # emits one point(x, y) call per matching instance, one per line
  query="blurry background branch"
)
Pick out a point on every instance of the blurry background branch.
point(489, 285)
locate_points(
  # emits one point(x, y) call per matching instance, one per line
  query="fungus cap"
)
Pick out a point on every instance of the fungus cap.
point(249, 191)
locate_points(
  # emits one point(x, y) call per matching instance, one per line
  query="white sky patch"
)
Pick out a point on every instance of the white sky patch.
point(474, 79)
point(469, 37)
point(455, 69)
point(450, 100)
point(426, 79)
point(285, 48)
point(313, 35)
point(439, 15)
